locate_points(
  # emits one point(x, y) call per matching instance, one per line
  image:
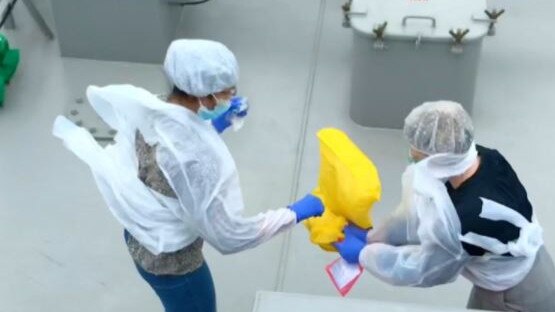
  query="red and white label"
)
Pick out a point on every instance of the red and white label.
point(343, 275)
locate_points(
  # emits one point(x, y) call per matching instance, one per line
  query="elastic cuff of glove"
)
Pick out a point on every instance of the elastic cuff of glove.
point(363, 255)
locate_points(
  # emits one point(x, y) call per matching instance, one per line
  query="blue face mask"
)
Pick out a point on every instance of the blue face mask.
point(221, 107)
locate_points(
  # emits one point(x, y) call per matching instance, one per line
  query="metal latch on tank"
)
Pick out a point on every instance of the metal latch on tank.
point(347, 13)
point(458, 36)
point(379, 33)
point(493, 16)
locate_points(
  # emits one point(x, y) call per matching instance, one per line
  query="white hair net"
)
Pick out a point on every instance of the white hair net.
point(439, 127)
point(200, 67)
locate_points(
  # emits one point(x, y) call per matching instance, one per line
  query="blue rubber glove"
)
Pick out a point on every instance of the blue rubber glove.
point(309, 206)
point(351, 246)
point(238, 108)
point(354, 230)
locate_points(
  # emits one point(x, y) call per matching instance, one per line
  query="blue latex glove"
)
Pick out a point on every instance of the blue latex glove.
point(354, 230)
point(352, 245)
point(309, 206)
point(238, 108)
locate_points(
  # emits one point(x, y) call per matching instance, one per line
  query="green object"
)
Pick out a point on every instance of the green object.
point(2, 93)
point(9, 60)
point(4, 46)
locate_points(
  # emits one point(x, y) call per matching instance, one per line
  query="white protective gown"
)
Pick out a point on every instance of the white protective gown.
point(194, 160)
point(420, 243)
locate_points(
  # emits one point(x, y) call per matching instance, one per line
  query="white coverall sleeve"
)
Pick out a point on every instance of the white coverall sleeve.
point(433, 254)
point(207, 187)
point(394, 230)
point(411, 265)
point(231, 232)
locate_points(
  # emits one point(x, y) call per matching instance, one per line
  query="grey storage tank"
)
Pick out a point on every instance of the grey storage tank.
point(122, 30)
point(406, 52)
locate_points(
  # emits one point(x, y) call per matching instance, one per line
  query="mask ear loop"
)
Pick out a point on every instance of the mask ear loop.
point(412, 160)
point(216, 99)
point(201, 106)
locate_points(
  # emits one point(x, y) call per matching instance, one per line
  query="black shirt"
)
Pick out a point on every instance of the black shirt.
point(494, 180)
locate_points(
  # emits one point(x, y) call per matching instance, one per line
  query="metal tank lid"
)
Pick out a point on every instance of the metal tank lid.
point(429, 19)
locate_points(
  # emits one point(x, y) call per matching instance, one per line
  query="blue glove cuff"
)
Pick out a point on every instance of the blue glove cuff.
point(308, 206)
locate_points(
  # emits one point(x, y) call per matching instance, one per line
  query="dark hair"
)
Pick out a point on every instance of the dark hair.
point(178, 92)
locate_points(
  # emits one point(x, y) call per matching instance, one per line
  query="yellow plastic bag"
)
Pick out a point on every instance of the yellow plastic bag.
point(348, 186)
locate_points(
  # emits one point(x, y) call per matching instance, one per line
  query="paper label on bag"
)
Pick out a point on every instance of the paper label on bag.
point(343, 275)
